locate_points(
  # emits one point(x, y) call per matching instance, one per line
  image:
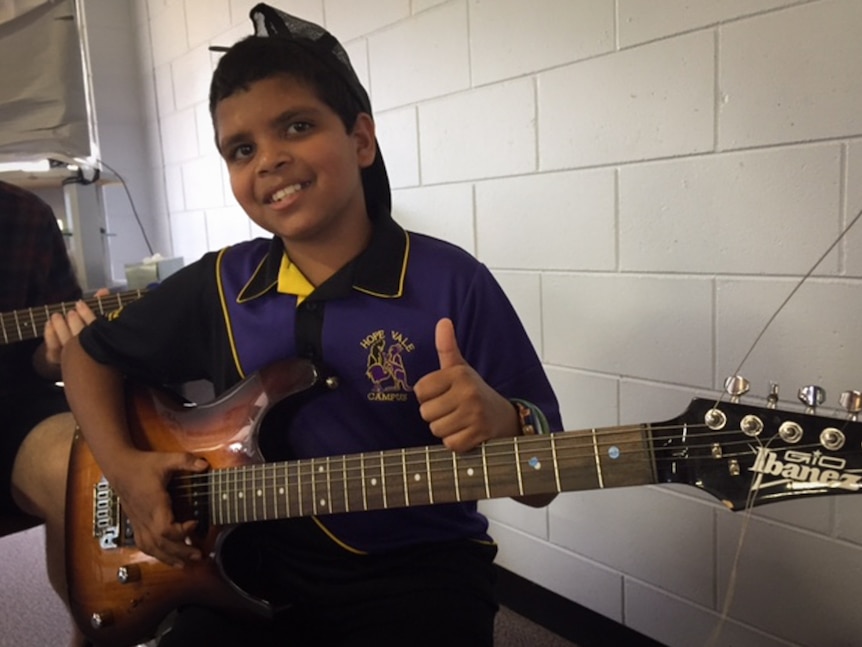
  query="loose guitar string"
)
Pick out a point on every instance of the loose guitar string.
point(746, 518)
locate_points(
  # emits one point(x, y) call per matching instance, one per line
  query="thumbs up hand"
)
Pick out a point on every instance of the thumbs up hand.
point(458, 405)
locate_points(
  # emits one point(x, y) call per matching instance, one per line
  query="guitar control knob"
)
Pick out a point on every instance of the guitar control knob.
point(128, 573)
point(852, 403)
point(812, 397)
point(100, 620)
point(736, 386)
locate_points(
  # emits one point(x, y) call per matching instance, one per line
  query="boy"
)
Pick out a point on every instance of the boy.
point(424, 344)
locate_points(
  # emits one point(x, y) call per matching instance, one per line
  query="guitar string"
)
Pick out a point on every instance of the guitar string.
point(370, 465)
point(747, 516)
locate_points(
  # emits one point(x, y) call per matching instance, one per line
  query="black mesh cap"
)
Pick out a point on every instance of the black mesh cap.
point(272, 22)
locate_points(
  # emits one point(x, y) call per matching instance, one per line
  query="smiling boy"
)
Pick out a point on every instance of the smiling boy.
point(424, 345)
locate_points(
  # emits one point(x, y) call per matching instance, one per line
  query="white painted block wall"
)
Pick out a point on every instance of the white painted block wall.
point(648, 180)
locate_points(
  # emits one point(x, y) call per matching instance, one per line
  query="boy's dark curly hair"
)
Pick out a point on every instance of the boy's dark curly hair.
point(259, 57)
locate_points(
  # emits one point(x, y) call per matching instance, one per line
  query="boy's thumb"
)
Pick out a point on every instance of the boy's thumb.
point(447, 344)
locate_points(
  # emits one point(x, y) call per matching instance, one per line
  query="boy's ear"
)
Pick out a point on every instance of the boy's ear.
point(363, 135)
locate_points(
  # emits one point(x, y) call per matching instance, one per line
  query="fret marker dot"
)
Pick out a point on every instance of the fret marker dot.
point(260, 492)
point(373, 481)
point(535, 463)
point(469, 471)
point(224, 497)
point(281, 490)
point(417, 477)
point(320, 470)
point(240, 495)
point(323, 503)
point(614, 452)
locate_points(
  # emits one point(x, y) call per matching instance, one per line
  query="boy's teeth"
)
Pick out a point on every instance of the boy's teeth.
point(281, 194)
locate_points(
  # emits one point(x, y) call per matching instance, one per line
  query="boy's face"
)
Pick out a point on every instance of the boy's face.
point(293, 167)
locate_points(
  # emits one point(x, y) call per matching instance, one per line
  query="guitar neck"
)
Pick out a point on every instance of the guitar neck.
point(520, 466)
point(29, 323)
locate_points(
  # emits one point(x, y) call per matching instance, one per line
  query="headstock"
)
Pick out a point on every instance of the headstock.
point(751, 455)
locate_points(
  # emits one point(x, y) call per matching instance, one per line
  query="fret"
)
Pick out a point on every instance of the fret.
point(472, 483)
point(455, 475)
point(383, 480)
point(32, 323)
point(442, 476)
point(362, 478)
point(428, 476)
point(344, 479)
point(553, 438)
point(518, 466)
point(313, 472)
point(485, 472)
point(536, 458)
point(241, 493)
point(263, 496)
point(395, 478)
point(18, 326)
point(598, 460)
point(256, 492)
point(299, 488)
point(329, 486)
point(627, 454)
point(226, 500)
point(215, 498)
point(404, 477)
point(375, 494)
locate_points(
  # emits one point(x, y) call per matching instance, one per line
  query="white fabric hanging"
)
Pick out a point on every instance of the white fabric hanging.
point(43, 98)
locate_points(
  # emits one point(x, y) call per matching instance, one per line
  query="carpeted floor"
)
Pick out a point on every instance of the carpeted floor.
point(32, 616)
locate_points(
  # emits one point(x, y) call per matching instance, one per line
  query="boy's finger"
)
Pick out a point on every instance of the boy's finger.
point(447, 344)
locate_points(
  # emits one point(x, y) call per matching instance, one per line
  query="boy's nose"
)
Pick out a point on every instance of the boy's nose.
point(272, 158)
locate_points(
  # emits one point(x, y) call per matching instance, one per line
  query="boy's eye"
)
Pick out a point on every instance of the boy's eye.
point(241, 152)
point(297, 127)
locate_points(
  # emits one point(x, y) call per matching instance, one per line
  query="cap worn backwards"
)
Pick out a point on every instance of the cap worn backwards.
point(271, 22)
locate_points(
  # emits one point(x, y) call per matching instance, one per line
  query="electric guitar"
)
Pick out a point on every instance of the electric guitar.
point(29, 323)
point(743, 455)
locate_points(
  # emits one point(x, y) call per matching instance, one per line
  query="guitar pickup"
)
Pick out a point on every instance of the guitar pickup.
point(106, 516)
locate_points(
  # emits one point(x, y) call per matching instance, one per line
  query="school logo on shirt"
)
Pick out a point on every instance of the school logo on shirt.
point(385, 365)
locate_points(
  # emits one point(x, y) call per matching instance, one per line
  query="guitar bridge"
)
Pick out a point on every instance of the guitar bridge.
point(109, 526)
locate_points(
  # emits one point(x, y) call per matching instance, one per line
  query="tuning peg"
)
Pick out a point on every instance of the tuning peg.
point(736, 386)
point(812, 397)
point(772, 398)
point(852, 403)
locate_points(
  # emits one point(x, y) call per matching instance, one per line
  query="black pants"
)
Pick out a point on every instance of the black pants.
point(427, 596)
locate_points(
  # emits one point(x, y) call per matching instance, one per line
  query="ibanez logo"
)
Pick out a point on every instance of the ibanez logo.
point(805, 467)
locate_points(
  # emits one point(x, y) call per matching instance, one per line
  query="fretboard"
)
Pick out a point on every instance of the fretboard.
point(29, 323)
point(526, 465)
